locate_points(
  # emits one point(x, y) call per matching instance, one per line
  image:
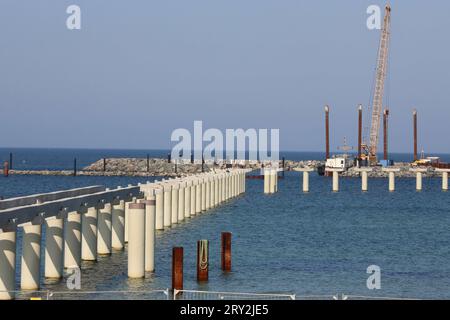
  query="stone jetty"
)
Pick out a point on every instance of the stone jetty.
point(159, 167)
point(162, 168)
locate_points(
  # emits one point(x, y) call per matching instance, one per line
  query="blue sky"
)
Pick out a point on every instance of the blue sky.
point(139, 69)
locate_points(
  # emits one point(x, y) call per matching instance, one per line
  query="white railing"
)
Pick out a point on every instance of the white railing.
point(160, 294)
point(219, 295)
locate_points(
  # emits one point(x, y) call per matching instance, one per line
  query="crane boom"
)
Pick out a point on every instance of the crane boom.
point(380, 77)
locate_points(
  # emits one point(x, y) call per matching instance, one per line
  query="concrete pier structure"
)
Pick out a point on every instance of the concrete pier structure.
point(305, 171)
point(198, 196)
point(54, 242)
point(267, 177)
point(72, 240)
point(208, 192)
point(364, 178)
point(136, 241)
point(419, 172)
point(187, 199)
point(203, 188)
point(167, 205)
point(81, 227)
point(150, 213)
point(31, 257)
point(159, 198)
point(193, 197)
point(175, 192)
point(7, 263)
point(391, 172)
point(444, 178)
point(133, 200)
point(335, 185)
point(104, 226)
point(118, 225)
point(181, 198)
point(89, 234)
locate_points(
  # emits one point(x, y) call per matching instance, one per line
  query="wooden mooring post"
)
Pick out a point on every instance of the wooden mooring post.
point(202, 260)
point(226, 251)
point(177, 268)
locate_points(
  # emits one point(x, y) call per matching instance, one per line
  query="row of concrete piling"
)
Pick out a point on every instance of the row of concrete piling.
point(85, 234)
point(173, 201)
point(364, 178)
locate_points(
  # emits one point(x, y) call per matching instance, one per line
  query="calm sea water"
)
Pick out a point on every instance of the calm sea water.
point(319, 243)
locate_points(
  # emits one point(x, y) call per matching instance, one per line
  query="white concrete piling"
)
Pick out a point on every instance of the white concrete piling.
point(445, 181)
point(54, 234)
point(444, 178)
point(193, 197)
point(391, 172)
point(104, 225)
point(181, 198)
point(419, 172)
point(118, 225)
point(198, 196)
point(133, 200)
point(305, 174)
point(391, 181)
point(187, 199)
point(220, 185)
point(167, 205)
point(364, 182)
point(203, 186)
point(213, 191)
point(150, 212)
point(271, 180)
point(136, 241)
point(335, 184)
point(7, 264)
point(223, 185)
point(335, 181)
point(31, 257)
point(175, 198)
point(208, 192)
point(216, 191)
point(159, 198)
point(72, 240)
point(89, 234)
point(364, 178)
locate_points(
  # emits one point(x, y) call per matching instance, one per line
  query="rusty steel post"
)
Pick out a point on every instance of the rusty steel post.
point(415, 133)
point(202, 260)
point(148, 162)
point(104, 164)
point(359, 131)
point(177, 268)
point(327, 132)
point(10, 161)
point(226, 251)
point(6, 168)
point(385, 133)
